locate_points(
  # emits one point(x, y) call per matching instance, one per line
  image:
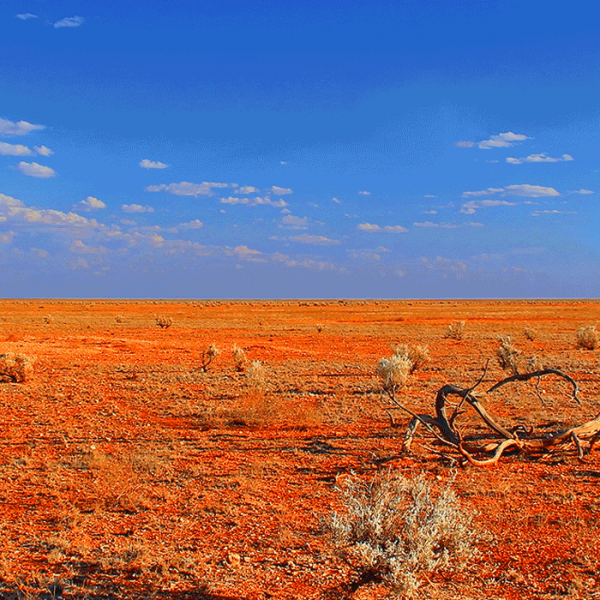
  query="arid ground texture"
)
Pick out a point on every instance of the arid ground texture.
point(129, 471)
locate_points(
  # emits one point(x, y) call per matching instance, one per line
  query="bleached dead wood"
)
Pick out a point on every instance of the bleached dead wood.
point(446, 431)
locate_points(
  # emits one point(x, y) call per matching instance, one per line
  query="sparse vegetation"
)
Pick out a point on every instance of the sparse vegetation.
point(529, 333)
point(508, 356)
point(394, 372)
point(455, 330)
point(15, 368)
point(587, 338)
point(396, 530)
point(163, 322)
point(208, 356)
point(257, 375)
point(240, 360)
point(418, 355)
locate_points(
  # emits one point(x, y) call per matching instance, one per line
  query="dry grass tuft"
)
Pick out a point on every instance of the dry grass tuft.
point(15, 368)
point(394, 371)
point(455, 330)
point(529, 333)
point(240, 360)
point(508, 355)
point(396, 531)
point(208, 356)
point(417, 355)
point(587, 338)
point(257, 375)
point(163, 322)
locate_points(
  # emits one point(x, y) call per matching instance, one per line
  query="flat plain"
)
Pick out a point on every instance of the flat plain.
point(129, 471)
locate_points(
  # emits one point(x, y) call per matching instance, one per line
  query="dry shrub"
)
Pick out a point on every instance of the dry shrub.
point(508, 355)
point(208, 356)
point(396, 531)
point(394, 371)
point(529, 333)
point(417, 355)
point(163, 322)
point(240, 359)
point(257, 375)
point(455, 330)
point(587, 338)
point(15, 368)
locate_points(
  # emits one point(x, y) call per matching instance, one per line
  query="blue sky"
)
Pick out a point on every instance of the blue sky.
point(226, 149)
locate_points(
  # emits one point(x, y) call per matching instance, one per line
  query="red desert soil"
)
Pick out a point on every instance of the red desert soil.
point(128, 472)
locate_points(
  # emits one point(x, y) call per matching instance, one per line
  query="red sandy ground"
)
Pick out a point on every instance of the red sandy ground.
point(127, 472)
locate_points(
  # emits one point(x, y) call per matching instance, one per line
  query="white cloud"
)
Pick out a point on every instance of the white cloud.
point(538, 158)
point(336, 200)
point(43, 151)
point(429, 196)
point(582, 191)
point(431, 212)
point(49, 217)
point(185, 188)
point(256, 201)
point(524, 190)
point(152, 164)
point(14, 150)
point(469, 208)
point(6, 238)
point(246, 189)
point(278, 191)
point(35, 170)
point(320, 240)
point(538, 213)
point(90, 203)
point(136, 208)
point(294, 222)
point(487, 192)
point(20, 128)
point(26, 16)
point(78, 247)
point(365, 193)
point(10, 201)
point(195, 224)
point(369, 227)
point(69, 22)
point(530, 191)
point(440, 225)
point(502, 140)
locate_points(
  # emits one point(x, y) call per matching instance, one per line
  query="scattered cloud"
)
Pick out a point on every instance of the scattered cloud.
point(278, 191)
point(195, 224)
point(136, 208)
point(90, 203)
point(185, 188)
point(502, 140)
point(336, 200)
point(539, 213)
point(33, 169)
point(79, 247)
point(429, 196)
point(293, 222)
point(365, 193)
point(20, 128)
point(43, 151)
point(14, 150)
point(256, 201)
point(246, 189)
point(319, 240)
point(530, 191)
point(26, 16)
point(524, 190)
point(431, 212)
point(469, 208)
point(152, 164)
point(69, 22)
point(538, 158)
point(582, 191)
point(371, 228)
point(10, 201)
point(440, 225)
point(48, 217)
